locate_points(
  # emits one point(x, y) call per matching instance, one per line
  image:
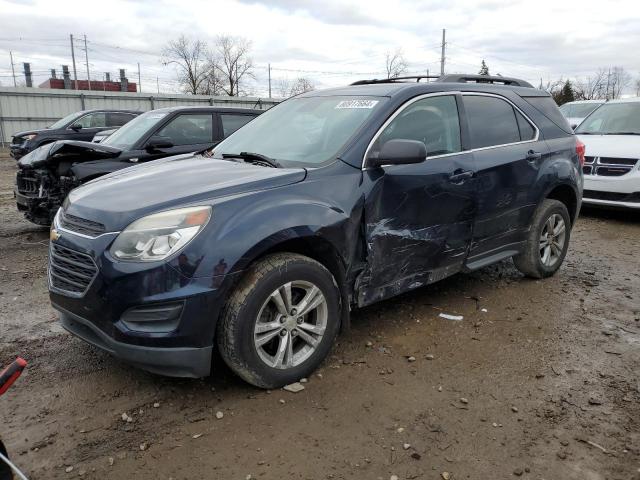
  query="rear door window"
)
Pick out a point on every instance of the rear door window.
point(232, 122)
point(189, 129)
point(492, 121)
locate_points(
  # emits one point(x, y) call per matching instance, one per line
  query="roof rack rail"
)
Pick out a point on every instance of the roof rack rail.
point(417, 78)
point(462, 78)
point(452, 78)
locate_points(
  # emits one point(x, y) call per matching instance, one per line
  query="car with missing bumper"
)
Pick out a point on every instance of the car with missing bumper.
point(47, 174)
point(81, 125)
point(612, 167)
point(329, 201)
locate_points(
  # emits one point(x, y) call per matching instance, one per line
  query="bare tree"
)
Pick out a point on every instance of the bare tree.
point(282, 87)
point(234, 65)
point(190, 58)
point(301, 85)
point(396, 65)
point(619, 80)
point(592, 87)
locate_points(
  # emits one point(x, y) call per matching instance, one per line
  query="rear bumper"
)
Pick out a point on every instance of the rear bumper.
point(192, 362)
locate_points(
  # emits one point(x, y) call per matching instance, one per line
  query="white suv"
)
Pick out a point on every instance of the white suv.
point(612, 162)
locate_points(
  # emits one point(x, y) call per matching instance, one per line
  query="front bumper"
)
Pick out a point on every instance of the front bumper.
point(175, 345)
point(17, 151)
point(622, 191)
point(174, 362)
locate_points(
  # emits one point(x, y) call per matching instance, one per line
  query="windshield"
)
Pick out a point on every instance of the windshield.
point(581, 110)
point(565, 109)
point(613, 118)
point(129, 134)
point(302, 132)
point(63, 122)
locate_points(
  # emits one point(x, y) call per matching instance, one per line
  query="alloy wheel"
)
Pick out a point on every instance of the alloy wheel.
point(552, 240)
point(290, 324)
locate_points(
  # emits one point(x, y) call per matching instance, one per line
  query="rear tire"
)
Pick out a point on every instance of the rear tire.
point(263, 337)
point(547, 241)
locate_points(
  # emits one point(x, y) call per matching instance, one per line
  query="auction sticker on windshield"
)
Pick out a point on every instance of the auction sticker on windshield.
point(357, 104)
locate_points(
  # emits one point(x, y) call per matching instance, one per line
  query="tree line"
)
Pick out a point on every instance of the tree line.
point(226, 67)
point(222, 68)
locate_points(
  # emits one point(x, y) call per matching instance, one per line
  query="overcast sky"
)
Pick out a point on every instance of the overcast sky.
point(331, 42)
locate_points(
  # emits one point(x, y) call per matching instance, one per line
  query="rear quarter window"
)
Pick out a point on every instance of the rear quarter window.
point(547, 107)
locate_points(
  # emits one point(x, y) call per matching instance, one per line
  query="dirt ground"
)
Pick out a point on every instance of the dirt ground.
point(540, 380)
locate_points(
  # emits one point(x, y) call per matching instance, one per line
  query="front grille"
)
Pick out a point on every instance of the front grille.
point(612, 196)
point(80, 225)
point(29, 186)
point(70, 271)
point(608, 166)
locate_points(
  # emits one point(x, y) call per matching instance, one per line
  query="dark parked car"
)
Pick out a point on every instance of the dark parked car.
point(329, 201)
point(77, 126)
point(49, 173)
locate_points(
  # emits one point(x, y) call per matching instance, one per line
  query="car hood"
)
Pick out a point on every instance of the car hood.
point(29, 132)
point(620, 146)
point(121, 197)
point(69, 151)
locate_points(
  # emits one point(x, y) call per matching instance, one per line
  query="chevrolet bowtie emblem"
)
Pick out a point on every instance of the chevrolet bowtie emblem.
point(54, 235)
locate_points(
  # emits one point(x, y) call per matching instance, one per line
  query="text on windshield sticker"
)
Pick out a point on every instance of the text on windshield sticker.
point(357, 104)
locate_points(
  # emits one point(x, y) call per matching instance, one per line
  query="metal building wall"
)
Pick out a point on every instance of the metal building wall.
point(25, 108)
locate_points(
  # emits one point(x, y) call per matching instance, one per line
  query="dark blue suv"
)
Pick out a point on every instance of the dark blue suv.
point(330, 201)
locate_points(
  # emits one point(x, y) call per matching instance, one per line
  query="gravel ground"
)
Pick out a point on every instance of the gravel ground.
point(539, 380)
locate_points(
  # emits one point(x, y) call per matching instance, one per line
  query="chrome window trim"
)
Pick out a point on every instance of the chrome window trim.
point(454, 93)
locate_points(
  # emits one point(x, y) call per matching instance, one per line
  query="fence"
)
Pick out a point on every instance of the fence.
point(25, 108)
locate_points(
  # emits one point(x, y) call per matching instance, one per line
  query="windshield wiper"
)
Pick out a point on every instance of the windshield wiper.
point(254, 158)
point(622, 133)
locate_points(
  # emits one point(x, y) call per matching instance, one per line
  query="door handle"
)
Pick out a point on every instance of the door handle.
point(533, 156)
point(460, 176)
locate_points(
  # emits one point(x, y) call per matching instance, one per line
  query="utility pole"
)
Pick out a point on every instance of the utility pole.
point(444, 43)
point(158, 85)
point(269, 80)
point(13, 70)
point(86, 56)
point(139, 81)
point(73, 58)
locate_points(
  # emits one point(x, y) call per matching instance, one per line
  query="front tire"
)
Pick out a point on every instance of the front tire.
point(281, 321)
point(547, 241)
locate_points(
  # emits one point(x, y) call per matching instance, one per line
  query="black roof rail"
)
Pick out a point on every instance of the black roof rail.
point(462, 78)
point(417, 78)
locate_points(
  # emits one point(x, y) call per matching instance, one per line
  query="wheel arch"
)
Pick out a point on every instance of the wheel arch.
point(313, 246)
point(566, 194)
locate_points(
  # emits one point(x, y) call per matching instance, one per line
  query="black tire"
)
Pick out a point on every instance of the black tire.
point(235, 331)
point(529, 262)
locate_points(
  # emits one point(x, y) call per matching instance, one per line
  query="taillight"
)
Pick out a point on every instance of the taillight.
point(581, 149)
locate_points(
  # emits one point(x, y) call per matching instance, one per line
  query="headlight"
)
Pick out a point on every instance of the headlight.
point(29, 137)
point(157, 236)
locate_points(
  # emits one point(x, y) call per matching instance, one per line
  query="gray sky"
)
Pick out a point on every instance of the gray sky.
point(331, 42)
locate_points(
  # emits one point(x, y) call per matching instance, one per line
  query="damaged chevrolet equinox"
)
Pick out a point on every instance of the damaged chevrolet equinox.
point(330, 201)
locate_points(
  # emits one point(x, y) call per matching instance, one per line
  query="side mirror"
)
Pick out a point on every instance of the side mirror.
point(400, 152)
point(75, 127)
point(157, 143)
point(574, 126)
